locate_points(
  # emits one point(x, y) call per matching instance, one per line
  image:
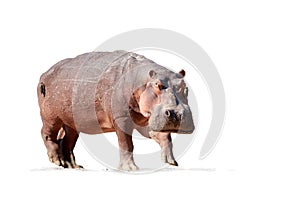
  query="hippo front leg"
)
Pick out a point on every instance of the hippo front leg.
point(165, 142)
point(126, 151)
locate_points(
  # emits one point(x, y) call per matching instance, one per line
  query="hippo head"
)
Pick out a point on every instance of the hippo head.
point(162, 103)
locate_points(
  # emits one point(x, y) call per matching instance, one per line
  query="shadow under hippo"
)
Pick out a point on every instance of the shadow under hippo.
point(118, 92)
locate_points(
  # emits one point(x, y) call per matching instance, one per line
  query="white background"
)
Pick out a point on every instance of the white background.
point(255, 46)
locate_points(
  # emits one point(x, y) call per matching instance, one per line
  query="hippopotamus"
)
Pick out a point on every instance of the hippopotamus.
point(119, 91)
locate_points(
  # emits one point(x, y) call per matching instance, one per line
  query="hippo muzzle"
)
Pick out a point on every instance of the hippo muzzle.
point(172, 119)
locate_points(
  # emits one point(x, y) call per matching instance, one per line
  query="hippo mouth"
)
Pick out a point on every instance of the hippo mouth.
point(176, 131)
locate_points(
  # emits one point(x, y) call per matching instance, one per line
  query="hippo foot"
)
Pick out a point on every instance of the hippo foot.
point(59, 161)
point(69, 161)
point(128, 166)
point(68, 164)
point(55, 160)
point(168, 158)
point(173, 162)
point(65, 164)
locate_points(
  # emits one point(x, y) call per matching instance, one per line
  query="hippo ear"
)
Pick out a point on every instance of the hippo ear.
point(182, 73)
point(152, 73)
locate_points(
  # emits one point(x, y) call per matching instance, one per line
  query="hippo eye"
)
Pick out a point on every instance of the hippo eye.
point(159, 85)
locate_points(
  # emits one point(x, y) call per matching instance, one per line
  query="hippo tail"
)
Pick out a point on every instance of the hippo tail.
point(41, 93)
point(42, 89)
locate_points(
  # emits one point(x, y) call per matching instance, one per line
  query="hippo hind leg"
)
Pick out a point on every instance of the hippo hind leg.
point(67, 140)
point(49, 134)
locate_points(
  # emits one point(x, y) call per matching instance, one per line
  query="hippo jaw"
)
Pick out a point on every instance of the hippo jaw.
point(177, 120)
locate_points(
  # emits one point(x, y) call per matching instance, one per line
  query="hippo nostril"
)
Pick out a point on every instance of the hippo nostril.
point(179, 116)
point(168, 113)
